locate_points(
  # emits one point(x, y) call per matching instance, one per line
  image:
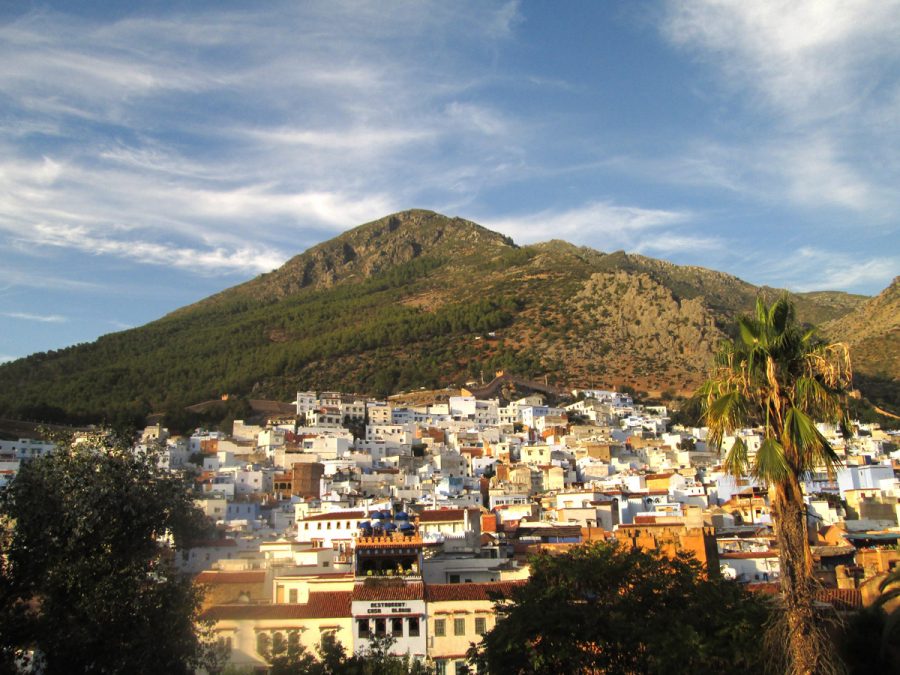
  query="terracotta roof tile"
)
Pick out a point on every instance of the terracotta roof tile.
point(337, 515)
point(445, 515)
point(840, 598)
point(321, 605)
point(470, 592)
point(392, 591)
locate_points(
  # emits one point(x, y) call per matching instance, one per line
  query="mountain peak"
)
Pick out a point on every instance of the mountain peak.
point(417, 298)
point(376, 247)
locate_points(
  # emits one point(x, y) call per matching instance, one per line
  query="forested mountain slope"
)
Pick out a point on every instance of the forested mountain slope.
point(413, 299)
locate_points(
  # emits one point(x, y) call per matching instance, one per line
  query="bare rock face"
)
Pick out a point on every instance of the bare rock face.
point(637, 309)
point(417, 298)
point(874, 318)
point(873, 332)
point(640, 321)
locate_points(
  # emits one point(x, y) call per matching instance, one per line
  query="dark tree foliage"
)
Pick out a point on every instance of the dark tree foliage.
point(232, 345)
point(867, 643)
point(86, 581)
point(333, 660)
point(602, 608)
point(217, 415)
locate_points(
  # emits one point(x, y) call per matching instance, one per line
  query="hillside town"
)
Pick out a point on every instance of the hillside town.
point(408, 519)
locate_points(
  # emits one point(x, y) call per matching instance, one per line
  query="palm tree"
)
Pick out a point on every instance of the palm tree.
point(778, 376)
point(889, 590)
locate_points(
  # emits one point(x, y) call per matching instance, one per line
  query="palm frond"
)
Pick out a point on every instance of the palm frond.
point(762, 314)
point(749, 333)
point(811, 394)
point(832, 364)
point(771, 464)
point(736, 462)
point(812, 448)
point(845, 426)
point(892, 579)
point(781, 316)
point(824, 455)
point(723, 413)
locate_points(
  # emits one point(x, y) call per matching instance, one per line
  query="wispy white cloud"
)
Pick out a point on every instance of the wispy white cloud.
point(152, 114)
point(17, 277)
point(198, 225)
point(809, 57)
point(360, 140)
point(815, 175)
point(821, 77)
point(216, 139)
point(478, 118)
point(810, 268)
point(247, 259)
point(669, 244)
point(603, 225)
point(43, 318)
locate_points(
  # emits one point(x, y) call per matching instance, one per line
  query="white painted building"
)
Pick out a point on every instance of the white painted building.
point(863, 477)
point(306, 401)
point(25, 449)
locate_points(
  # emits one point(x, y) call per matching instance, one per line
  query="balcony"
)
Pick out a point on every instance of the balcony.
point(389, 541)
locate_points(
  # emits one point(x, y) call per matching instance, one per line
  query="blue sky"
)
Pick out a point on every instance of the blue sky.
point(154, 153)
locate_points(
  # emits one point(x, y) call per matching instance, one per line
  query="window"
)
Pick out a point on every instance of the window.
point(397, 627)
point(440, 627)
point(480, 625)
point(262, 643)
point(362, 626)
point(459, 626)
point(292, 596)
point(460, 668)
point(380, 627)
point(454, 578)
point(278, 643)
point(440, 667)
point(413, 626)
point(293, 640)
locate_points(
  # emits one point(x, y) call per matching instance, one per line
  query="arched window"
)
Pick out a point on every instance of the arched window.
point(278, 643)
point(263, 644)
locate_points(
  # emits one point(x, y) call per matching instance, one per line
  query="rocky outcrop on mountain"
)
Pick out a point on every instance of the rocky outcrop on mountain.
point(420, 299)
point(873, 332)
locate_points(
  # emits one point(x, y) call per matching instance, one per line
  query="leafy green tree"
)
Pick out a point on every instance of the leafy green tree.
point(332, 654)
point(605, 608)
point(86, 581)
point(333, 660)
point(378, 660)
point(294, 660)
point(777, 375)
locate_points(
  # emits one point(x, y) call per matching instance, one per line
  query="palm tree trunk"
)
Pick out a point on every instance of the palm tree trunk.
point(809, 650)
